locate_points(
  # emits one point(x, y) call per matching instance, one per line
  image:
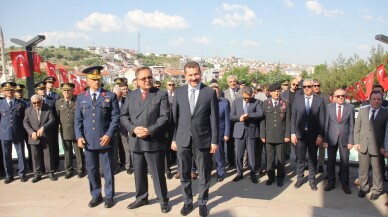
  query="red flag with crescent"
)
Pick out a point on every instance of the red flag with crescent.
point(20, 64)
point(353, 92)
point(83, 84)
point(37, 60)
point(382, 77)
point(74, 80)
point(51, 72)
point(360, 91)
point(65, 75)
point(368, 82)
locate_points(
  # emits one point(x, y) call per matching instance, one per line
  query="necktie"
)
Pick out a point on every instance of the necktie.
point(276, 103)
point(339, 116)
point(372, 117)
point(144, 95)
point(234, 95)
point(10, 104)
point(192, 100)
point(170, 98)
point(94, 98)
point(245, 107)
point(38, 114)
point(308, 105)
point(67, 104)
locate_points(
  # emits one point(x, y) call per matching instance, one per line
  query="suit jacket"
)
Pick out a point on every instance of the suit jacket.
point(92, 122)
point(275, 125)
point(66, 118)
point(224, 118)
point(151, 113)
point(201, 126)
point(371, 138)
point(31, 123)
point(122, 129)
point(228, 96)
point(342, 132)
point(11, 120)
point(315, 119)
point(54, 96)
point(252, 124)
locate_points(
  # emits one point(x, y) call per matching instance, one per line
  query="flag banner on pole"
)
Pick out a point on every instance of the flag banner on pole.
point(382, 77)
point(64, 75)
point(37, 60)
point(51, 72)
point(20, 64)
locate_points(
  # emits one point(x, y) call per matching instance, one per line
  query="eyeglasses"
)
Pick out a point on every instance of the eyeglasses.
point(171, 84)
point(36, 103)
point(295, 84)
point(145, 78)
point(316, 85)
point(307, 86)
point(339, 96)
point(157, 86)
point(285, 84)
point(65, 90)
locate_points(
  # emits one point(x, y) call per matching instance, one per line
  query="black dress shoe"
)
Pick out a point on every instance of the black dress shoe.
point(95, 201)
point(186, 209)
point(164, 207)
point(202, 210)
point(254, 179)
point(269, 182)
point(137, 204)
point(313, 186)
point(220, 178)
point(346, 189)
point(262, 172)
point(68, 175)
point(329, 187)
point(81, 175)
point(129, 171)
point(280, 183)
point(108, 202)
point(298, 184)
point(237, 178)
point(52, 177)
point(361, 194)
point(168, 175)
point(8, 180)
point(23, 179)
point(374, 196)
point(36, 178)
point(320, 169)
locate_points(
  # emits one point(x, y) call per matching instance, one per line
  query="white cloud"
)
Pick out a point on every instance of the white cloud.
point(367, 17)
point(201, 40)
point(234, 15)
point(101, 22)
point(364, 47)
point(315, 7)
point(250, 43)
point(56, 37)
point(288, 3)
point(177, 41)
point(234, 43)
point(156, 20)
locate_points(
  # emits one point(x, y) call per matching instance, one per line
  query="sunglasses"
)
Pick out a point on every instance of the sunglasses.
point(285, 84)
point(339, 96)
point(36, 103)
point(171, 84)
point(307, 86)
point(145, 78)
point(316, 85)
point(295, 84)
point(157, 86)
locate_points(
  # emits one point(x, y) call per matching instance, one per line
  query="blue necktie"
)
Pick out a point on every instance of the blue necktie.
point(308, 105)
point(192, 100)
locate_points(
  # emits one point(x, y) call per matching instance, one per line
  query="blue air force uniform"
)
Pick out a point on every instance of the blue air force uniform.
point(12, 131)
point(92, 121)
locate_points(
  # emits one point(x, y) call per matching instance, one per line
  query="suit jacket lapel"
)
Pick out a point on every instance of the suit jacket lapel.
point(143, 104)
point(200, 97)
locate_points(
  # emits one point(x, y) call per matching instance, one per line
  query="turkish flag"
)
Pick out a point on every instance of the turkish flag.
point(83, 84)
point(37, 60)
point(51, 72)
point(20, 64)
point(382, 77)
point(65, 75)
point(368, 82)
point(360, 91)
point(353, 92)
point(78, 88)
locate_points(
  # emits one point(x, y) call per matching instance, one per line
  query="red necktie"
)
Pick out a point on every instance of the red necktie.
point(144, 95)
point(339, 116)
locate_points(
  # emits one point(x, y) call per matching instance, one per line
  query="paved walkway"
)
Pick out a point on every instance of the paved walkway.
point(69, 198)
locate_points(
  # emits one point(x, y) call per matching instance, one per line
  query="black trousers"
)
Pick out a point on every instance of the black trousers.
point(38, 158)
point(306, 144)
point(344, 164)
point(275, 156)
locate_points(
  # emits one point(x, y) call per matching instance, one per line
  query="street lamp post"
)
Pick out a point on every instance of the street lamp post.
point(28, 46)
point(382, 38)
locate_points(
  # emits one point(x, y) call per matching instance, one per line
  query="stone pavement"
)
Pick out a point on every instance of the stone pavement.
point(69, 198)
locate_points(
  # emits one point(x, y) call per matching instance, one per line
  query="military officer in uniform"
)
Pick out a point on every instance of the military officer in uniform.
point(40, 88)
point(96, 119)
point(65, 109)
point(11, 124)
point(49, 88)
point(274, 132)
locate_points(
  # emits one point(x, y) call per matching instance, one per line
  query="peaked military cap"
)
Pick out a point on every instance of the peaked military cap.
point(93, 72)
point(274, 86)
point(50, 79)
point(67, 86)
point(40, 85)
point(8, 85)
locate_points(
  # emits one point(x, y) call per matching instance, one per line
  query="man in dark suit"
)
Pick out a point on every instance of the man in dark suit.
point(12, 131)
point(231, 94)
point(170, 154)
point(37, 120)
point(65, 109)
point(307, 131)
point(339, 127)
point(246, 113)
point(369, 133)
point(224, 132)
point(195, 111)
point(274, 132)
point(144, 115)
point(97, 117)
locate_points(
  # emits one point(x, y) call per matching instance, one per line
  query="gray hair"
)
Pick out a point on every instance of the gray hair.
point(117, 90)
point(36, 97)
point(308, 80)
point(247, 90)
point(231, 77)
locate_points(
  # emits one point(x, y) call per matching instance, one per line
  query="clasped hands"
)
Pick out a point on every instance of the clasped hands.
point(141, 132)
point(213, 147)
point(244, 117)
point(37, 134)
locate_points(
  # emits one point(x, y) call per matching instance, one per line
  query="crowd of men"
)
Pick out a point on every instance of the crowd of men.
point(146, 130)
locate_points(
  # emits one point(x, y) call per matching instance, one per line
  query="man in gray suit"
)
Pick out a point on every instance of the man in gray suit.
point(339, 127)
point(37, 120)
point(369, 133)
point(307, 131)
point(195, 112)
point(144, 115)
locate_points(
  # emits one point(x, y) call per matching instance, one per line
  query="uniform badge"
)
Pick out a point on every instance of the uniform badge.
point(107, 99)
